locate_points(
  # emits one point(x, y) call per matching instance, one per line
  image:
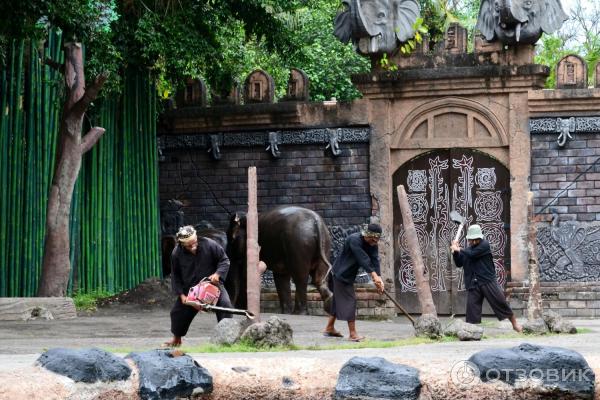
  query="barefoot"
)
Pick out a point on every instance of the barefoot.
point(172, 343)
point(518, 328)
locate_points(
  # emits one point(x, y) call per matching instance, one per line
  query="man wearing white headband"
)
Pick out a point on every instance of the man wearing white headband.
point(360, 250)
point(193, 259)
point(480, 278)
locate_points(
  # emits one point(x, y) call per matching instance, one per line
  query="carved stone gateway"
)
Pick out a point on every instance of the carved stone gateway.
point(571, 73)
point(259, 88)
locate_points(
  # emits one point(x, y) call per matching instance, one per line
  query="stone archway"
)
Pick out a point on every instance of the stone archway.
point(475, 185)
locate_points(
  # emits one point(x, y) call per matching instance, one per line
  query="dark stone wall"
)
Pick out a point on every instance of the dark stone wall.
point(568, 239)
point(305, 175)
point(554, 169)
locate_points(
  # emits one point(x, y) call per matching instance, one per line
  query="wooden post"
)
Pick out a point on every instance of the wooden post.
point(421, 276)
point(534, 301)
point(253, 275)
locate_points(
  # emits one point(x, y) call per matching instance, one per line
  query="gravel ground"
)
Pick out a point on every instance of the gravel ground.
point(300, 374)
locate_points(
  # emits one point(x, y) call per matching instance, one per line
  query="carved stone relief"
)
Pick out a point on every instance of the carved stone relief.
point(569, 252)
point(297, 89)
point(193, 94)
point(571, 73)
point(259, 88)
point(298, 137)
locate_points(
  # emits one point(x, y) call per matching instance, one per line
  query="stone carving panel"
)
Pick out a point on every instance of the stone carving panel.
point(571, 73)
point(259, 88)
point(455, 39)
point(297, 89)
point(193, 94)
point(569, 252)
point(308, 136)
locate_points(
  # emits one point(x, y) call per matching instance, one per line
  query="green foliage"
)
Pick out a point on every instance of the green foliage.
point(550, 51)
point(88, 301)
point(411, 44)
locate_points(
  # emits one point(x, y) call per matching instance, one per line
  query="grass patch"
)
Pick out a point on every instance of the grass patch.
point(249, 348)
point(89, 301)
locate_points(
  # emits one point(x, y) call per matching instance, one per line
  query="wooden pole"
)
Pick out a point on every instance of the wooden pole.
point(253, 275)
point(534, 301)
point(421, 276)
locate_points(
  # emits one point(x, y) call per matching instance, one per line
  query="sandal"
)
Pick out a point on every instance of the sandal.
point(333, 334)
point(357, 339)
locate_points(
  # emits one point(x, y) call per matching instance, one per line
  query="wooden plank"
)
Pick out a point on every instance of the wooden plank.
point(26, 308)
point(253, 274)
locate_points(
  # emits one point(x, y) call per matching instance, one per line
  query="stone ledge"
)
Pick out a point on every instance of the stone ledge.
point(27, 308)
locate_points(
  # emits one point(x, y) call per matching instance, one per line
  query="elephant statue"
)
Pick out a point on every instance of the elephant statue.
point(294, 243)
point(376, 26)
point(519, 21)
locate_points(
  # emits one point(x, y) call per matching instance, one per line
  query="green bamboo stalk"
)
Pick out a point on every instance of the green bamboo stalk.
point(4, 162)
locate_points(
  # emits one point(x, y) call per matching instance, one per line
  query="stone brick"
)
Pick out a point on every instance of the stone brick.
point(585, 312)
point(577, 304)
point(586, 296)
point(567, 296)
point(567, 312)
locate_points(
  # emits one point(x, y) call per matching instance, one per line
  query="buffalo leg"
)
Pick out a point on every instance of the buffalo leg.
point(301, 282)
point(319, 279)
point(284, 291)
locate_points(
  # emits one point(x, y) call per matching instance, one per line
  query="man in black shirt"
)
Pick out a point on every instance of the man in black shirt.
point(360, 250)
point(193, 259)
point(480, 278)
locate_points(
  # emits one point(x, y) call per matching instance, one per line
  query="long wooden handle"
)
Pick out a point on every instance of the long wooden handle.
point(399, 306)
point(458, 232)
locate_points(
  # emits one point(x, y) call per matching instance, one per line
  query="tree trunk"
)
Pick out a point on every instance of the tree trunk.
point(421, 275)
point(253, 274)
point(534, 301)
point(56, 265)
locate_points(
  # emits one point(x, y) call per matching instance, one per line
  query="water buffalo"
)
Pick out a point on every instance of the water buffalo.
point(294, 243)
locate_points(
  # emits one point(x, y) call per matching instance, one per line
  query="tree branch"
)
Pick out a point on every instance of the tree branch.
point(90, 95)
point(54, 65)
point(91, 138)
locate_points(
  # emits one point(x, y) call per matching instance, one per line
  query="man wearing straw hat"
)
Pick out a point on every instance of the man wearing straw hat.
point(480, 278)
point(193, 259)
point(360, 250)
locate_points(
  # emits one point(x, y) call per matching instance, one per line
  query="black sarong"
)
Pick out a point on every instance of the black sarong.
point(182, 315)
point(344, 300)
point(493, 293)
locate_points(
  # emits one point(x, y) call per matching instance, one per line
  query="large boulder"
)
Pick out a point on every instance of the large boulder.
point(85, 365)
point(557, 323)
point(226, 332)
point(428, 325)
point(535, 327)
point(377, 378)
point(464, 331)
point(549, 371)
point(274, 332)
point(168, 375)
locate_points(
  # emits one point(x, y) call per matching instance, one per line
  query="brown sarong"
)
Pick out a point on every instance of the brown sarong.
point(344, 300)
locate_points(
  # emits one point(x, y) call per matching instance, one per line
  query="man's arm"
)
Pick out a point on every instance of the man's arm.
point(176, 281)
point(222, 265)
